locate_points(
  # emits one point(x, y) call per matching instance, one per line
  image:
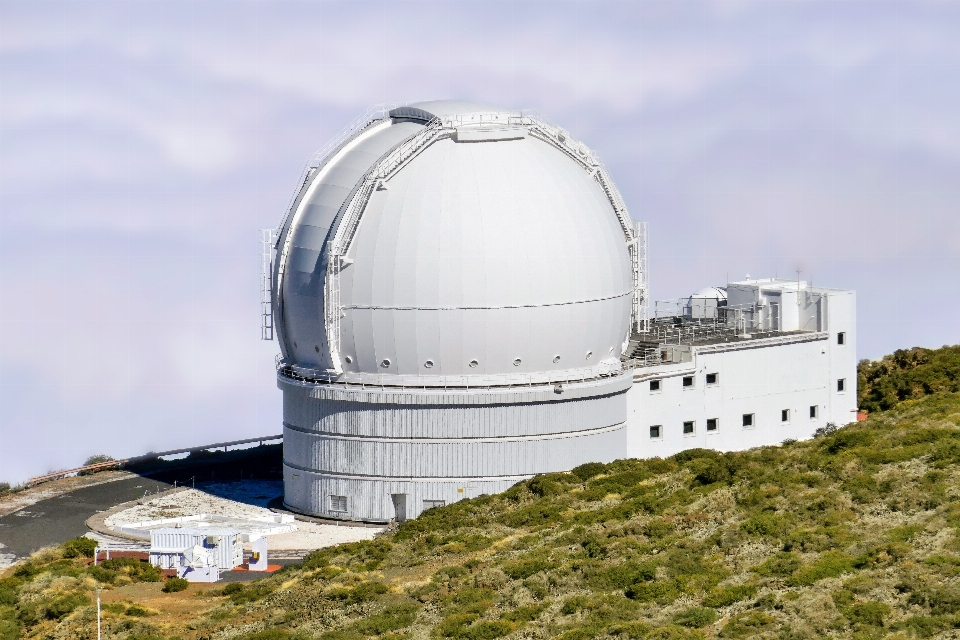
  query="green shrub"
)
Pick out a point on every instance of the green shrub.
point(242, 594)
point(905, 533)
point(455, 626)
point(390, 619)
point(572, 605)
point(847, 438)
point(471, 600)
point(696, 617)
point(79, 548)
point(137, 570)
point(544, 486)
point(586, 471)
point(661, 591)
point(534, 515)
point(765, 525)
point(100, 574)
point(829, 565)
point(779, 565)
point(175, 584)
point(64, 605)
point(943, 600)
point(137, 611)
point(9, 589)
point(725, 596)
point(9, 630)
point(868, 613)
point(746, 625)
point(923, 626)
point(523, 614)
point(907, 374)
point(658, 528)
point(522, 569)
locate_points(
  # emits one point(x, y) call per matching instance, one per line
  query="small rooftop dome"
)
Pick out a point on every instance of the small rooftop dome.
point(711, 293)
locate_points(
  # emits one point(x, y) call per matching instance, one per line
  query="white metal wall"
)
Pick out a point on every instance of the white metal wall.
point(435, 446)
point(759, 377)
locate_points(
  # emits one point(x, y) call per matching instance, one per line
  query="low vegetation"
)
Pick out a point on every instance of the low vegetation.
point(855, 533)
point(907, 374)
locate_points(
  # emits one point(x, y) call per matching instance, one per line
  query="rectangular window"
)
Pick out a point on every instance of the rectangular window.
point(785, 415)
point(687, 381)
point(655, 431)
point(338, 504)
point(748, 419)
point(654, 385)
point(813, 412)
point(842, 338)
point(842, 385)
point(430, 504)
point(713, 378)
point(712, 424)
point(688, 427)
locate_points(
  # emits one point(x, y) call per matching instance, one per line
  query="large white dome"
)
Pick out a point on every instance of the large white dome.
point(486, 250)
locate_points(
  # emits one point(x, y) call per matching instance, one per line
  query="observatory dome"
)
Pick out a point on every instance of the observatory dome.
point(452, 287)
point(489, 250)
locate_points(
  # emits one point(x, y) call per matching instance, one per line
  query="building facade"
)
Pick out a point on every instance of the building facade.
point(460, 299)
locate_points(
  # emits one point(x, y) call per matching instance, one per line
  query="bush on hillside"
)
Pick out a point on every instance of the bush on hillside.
point(907, 374)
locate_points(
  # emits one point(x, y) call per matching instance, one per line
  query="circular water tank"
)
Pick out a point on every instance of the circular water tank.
point(488, 251)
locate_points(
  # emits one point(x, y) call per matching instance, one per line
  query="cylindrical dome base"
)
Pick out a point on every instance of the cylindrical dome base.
point(375, 455)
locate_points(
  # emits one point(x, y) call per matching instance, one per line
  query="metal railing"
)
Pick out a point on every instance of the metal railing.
point(386, 381)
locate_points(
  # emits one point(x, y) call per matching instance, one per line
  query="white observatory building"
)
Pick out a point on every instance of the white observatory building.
point(460, 299)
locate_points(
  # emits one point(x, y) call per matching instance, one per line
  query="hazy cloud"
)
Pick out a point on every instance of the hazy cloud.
point(144, 143)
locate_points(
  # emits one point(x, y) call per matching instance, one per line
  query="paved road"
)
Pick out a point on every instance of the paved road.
point(58, 519)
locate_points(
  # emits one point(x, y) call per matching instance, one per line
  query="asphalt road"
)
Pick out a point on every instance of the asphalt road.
point(58, 519)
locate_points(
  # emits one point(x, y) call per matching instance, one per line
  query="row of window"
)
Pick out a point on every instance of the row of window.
point(688, 382)
point(713, 424)
point(338, 504)
point(713, 379)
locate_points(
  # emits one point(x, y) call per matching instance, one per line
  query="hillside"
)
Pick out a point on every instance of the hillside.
point(907, 374)
point(851, 534)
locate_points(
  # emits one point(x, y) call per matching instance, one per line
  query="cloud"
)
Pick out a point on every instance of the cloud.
point(145, 143)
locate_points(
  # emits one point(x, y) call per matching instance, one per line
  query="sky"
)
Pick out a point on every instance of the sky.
point(144, 144)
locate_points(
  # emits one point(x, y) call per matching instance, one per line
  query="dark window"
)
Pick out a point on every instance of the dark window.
point(813, 411)
point(748, 419)
point(712, 378)
point(654, 385)
point(688, 381)
point(687, 427)
point(785, 415)
point(338, 504)
point(430, 504)
point(841, 384)
point(841, 338)
point(711, 424)
point(655, 431)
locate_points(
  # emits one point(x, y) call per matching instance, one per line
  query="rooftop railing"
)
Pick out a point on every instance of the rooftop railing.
point(605, 370)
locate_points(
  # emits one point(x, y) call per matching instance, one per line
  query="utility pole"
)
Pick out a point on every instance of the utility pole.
point(98, 612)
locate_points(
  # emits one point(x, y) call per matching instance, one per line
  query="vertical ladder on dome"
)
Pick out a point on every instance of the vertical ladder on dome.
point(266, 283)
